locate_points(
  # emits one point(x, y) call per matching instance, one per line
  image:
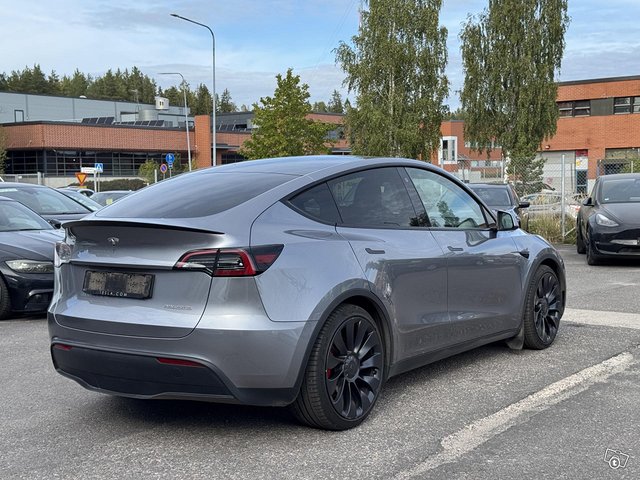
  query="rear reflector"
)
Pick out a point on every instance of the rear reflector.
point(179, 362)
point(231, 262)
point(62, 346)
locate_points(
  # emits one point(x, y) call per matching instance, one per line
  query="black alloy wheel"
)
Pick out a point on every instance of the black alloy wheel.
point(345, 371)
point(544, 309)
point(580, 246)
point(5, 300)
point(354, 367)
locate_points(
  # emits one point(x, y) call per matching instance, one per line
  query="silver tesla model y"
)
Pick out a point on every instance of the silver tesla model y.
point(295, 281)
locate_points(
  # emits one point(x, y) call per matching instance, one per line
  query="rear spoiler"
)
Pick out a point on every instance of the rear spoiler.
point(135, 223)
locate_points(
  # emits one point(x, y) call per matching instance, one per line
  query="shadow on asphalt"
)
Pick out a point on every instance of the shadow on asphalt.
point(206, 415)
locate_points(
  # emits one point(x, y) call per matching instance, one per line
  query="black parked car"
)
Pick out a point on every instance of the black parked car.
point(501, 196)
point(45, 201)
point(608, 223)
point(26, 259)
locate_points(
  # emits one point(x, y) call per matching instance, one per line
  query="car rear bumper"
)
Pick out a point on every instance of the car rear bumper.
point(257, 365)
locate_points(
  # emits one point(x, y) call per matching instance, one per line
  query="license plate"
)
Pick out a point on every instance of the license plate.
point(116, 284)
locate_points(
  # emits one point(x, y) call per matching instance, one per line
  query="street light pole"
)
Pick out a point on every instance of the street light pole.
point(186, 118)
point(213, 93)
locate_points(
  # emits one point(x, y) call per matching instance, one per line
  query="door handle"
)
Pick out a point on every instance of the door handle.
point(455, 249)
point(374, 252)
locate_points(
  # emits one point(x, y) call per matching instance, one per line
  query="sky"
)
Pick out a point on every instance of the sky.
point(257, 39)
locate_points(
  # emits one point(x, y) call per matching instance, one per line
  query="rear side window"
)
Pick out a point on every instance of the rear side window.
point(194, 195)
point(373, 198)
point(317, 203)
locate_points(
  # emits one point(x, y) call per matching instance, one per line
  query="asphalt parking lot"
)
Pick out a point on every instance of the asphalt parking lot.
point(488, 413)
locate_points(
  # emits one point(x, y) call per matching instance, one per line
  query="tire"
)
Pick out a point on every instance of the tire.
point(543, 309)
point(580, 246)
point(345, 372)
point(5, 300)
point(592, 257)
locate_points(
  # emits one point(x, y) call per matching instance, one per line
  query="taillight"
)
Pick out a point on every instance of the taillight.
point(231, 262)
point(61, 253)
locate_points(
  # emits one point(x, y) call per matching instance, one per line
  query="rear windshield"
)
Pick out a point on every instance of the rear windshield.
point(494, 197)
point(43, 200)
point(194, 195)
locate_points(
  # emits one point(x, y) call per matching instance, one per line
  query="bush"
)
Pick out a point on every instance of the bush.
point(550, 228)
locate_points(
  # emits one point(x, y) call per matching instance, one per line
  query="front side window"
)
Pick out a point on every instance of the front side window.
point(447, 205)
point(373, 198)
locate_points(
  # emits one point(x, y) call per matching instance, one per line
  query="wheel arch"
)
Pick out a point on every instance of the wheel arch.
point(366, 300)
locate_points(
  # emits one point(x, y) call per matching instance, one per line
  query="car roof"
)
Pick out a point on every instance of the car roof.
point(22, 185)
point(489, 185)
point(619, 176)
point(310, 165)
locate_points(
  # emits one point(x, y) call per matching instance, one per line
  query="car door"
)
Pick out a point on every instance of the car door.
point(404, 264)
point(484, 266)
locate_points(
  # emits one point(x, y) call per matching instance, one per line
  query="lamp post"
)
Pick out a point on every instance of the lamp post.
point(213, 93)
point(186, 118)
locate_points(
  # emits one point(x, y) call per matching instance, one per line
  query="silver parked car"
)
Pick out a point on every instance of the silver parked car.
point(305, 281)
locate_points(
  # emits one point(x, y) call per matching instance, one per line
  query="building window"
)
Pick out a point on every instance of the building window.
point(577, 108)
point(622, 105)
point(581, 108)
point(626, 105)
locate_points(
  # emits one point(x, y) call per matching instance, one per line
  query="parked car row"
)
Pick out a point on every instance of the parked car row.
point(30, 220)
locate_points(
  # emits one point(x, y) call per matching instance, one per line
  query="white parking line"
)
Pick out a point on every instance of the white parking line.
point(607, 319)
point(477, 433)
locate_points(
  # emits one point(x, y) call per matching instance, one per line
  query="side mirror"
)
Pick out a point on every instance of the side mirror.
point(524, 205)
point(506, 221)
point(588, 202)
point(55, 223)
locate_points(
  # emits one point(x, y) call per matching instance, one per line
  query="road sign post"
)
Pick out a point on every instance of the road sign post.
point(170, 158)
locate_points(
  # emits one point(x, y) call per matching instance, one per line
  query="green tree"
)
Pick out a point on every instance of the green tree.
point(202, 103)
point(283, 128)
point(335, 105)
point(75, 85)
point(319, 107)
point(396, 69)
point(226, 105)
point(511, 53)
point(147, 169)
point(457, 114)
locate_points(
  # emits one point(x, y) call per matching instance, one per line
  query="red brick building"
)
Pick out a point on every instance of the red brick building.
point(598, 132)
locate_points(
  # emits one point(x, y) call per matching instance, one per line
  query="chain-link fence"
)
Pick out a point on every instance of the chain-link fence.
point(613, 165)
point(548, 190)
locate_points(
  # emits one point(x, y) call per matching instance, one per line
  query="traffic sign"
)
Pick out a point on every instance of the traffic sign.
point(170, 158)
point(89, 170)
point(99, 167)
point(163, 168)
point(81, 177)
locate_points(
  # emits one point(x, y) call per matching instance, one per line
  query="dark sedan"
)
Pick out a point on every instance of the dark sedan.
point(501, 196)
point(46, 202)
point(26, 259)
point(608, 224)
